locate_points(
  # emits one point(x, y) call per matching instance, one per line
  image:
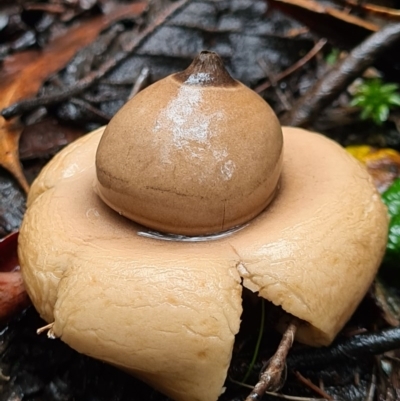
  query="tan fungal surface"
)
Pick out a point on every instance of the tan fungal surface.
point(168, 311)
point(195, 153)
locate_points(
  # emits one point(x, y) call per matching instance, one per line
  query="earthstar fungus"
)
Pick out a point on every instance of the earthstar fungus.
point(204, 154)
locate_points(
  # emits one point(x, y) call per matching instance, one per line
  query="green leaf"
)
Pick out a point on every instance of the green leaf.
point(357, 101)
point(391, 198)
point(366, 112)
point(333, 56)
point(383, 112)
point(394, 99)
point(375, 100)
point(389, 88)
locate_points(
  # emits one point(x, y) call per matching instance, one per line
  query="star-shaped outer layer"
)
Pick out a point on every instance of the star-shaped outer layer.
point(168, 312)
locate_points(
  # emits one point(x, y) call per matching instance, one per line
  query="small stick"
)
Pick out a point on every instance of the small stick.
point(294, 398)
point(383, 12)
point(298, 64)
point(271, 377)
point(140, 82)
point(327, 89)
point(390, 358)
point(372, 386)
point(312, 386)
point(279, 395)
point(281, 96)
point(104, 118)
point(3, 377)
point(44, 328)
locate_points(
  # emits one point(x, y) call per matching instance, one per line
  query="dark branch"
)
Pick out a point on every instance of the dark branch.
point(326, 90)
point(349, 348)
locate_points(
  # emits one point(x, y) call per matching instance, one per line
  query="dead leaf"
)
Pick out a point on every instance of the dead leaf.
point(23, 74)
point(45, 138)
point(389, 14)
point(337, 26)
point(382, 164)
point(387, 301)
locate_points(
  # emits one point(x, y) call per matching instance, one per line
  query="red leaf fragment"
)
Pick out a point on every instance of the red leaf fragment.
point(13, 297)
point(8, 253)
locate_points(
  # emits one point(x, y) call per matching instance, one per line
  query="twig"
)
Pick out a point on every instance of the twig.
point(391, 358)
point(312, 386)
point(103, 118)
point(292, 397)
point(382, 12)
point(140, 82)
point(3, 377)
point(279, 395)
point(271, 377)
point(327, 89)
point(94, 76)
point(298, 64)
point(41, 330)
point(357, 378)
point(372, 386)
point(350, 348)
point(281, 96)
point(48, 8)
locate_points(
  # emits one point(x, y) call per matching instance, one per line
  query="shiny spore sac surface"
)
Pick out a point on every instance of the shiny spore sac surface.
point(194, 154)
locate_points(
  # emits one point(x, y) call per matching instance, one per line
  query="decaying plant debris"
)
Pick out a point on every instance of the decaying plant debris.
point(57, 86)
